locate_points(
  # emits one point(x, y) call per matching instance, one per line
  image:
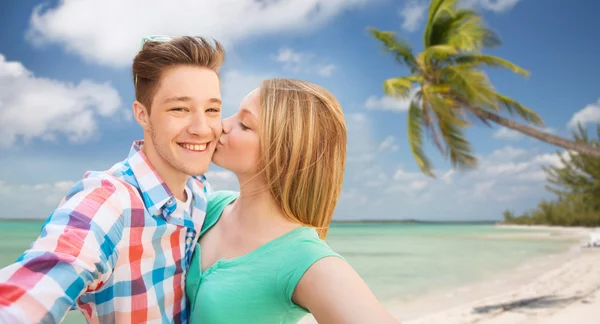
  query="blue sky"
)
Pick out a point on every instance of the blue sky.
point(66, 93)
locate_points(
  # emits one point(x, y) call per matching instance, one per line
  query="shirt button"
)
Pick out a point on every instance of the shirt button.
point(170, 202)
point(188, 241)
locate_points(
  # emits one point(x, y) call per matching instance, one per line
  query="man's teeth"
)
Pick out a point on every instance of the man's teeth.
point(194, 147)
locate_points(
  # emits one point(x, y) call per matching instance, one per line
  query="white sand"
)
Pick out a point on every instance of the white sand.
point(558, 289)
point(565, 290)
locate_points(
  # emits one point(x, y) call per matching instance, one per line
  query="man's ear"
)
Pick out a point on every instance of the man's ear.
point(141, 115)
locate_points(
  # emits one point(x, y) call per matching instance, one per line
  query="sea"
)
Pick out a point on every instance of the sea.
point(398, 261)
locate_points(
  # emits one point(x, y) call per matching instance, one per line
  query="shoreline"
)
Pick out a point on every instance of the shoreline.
point(547, 289)
point(552, 289)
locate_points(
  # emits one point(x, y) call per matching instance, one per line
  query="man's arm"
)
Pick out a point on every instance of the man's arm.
point(73, 254)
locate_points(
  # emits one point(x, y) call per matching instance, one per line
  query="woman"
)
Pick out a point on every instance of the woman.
point(262, 257)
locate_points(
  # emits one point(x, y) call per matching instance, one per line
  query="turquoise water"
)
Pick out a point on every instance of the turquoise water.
point(398, 261)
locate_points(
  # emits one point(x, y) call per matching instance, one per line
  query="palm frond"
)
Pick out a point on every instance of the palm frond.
point(415, 137)
point(469, 34)
point(440, 52)
point(400, 49)
point(458, 147)
point(429, 123)
point(470, 84)
point(473, 60)
point(513, 106)
point(399, 87)
point(438, 11)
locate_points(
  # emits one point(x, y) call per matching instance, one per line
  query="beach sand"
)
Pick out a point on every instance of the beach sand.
point(558, 289)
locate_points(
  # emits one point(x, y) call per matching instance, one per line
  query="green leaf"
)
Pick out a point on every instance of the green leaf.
point(438, 11)
point(398, 87)
point(513, 106)
point(440, 52)
point(469, 33)
point(458, 147)
point(415, 138)
point(399, 48)
point(470, 84)
point(474, 60)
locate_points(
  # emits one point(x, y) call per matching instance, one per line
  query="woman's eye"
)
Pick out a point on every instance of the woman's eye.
point(243, 127)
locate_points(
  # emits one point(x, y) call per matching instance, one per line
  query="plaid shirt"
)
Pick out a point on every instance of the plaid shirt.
point(111, 249)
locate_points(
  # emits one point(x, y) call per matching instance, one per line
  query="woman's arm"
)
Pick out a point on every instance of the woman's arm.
point(334, 293)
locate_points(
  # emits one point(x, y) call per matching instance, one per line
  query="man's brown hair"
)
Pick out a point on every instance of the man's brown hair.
point(155, 57)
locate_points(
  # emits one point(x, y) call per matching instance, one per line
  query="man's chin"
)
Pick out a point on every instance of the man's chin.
point(194, 171)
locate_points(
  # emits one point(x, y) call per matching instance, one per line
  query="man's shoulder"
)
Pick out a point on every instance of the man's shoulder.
point(116, 180)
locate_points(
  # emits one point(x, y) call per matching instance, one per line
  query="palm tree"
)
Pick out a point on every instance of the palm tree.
point(447, 86)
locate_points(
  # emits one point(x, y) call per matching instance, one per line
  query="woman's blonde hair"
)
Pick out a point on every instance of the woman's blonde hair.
point(302, 150)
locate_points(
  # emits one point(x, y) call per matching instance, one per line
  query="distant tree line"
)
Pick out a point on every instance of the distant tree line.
point(576, 184)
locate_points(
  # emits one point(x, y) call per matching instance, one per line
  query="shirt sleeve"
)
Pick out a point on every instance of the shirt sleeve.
point(74, 254)
point(300, 257)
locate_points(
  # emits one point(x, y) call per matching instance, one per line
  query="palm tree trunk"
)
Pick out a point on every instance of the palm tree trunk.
point(581, 148)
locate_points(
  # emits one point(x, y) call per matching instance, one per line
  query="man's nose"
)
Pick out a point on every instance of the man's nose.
point(199, 126)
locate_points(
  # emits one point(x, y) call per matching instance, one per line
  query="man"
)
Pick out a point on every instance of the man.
point(119, 245)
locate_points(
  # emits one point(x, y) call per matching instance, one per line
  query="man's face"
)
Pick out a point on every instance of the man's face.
point(184, 123)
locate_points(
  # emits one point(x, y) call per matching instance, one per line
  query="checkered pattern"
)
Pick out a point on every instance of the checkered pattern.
point(112, 248)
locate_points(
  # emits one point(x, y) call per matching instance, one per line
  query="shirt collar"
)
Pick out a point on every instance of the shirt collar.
point(154, 190)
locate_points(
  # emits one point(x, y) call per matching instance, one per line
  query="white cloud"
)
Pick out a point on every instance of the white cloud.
point(362, 148)
point(222, 180)
point(508, 153)
point(354, 196)
point(413, 14)
point(33, 107)
point(46, 196)
point(109, 32)
point(552, 159)
point(370, 176)
point(292, 60)
point(301, 62)
point(403, 175)
point(447, 176)
point(387, 103)
point(507, 177)
point(508, 134)
point(388, 144)
point(326, 70)
point(588, 115)
point(235, 86)
point(498, 5)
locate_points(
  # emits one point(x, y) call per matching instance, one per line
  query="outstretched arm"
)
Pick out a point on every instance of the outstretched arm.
point(73, 254)
point(334, 293)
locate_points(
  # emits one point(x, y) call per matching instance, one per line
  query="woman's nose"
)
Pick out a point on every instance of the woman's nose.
point(227, 124)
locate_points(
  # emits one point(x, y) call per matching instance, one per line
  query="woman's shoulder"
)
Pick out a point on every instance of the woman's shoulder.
point(217, 201)
point(220, 196)
point(305, 250)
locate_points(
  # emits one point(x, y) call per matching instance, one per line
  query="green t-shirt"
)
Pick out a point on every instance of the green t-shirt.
point(256, 287)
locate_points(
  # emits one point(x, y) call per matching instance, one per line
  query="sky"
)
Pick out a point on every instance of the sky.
point(66, 93)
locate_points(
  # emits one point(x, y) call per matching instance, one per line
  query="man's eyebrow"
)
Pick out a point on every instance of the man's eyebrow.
point(186, 98)
point(171, 99)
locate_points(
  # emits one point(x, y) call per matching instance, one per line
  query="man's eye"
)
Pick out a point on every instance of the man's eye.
point(214, 110)
point(178, 109)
